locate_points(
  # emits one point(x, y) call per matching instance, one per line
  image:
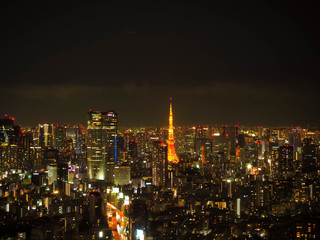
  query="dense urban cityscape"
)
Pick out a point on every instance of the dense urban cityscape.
point(103, 181)
point(159, 120)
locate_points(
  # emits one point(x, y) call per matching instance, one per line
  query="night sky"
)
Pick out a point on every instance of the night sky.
point(251, 63)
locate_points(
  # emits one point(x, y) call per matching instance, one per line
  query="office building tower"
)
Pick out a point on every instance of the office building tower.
point(59, 136)
point(203, 142)
point(231, 134)
point(309, 156)
point(96, 209)
point(76, 134)
point(261, 199)
point(10, 141)
point(51, 158)
point(46, 135)
point(25, 154)
point(112, 148)
point(9, 132)
point(62, 175)
point(8, 157)
point(201, 132)
point(189, 135)
point(122, 175)
point(285, 159)
point(102, 144)
point(141, 142)
point(159, 163)
point(294, 140)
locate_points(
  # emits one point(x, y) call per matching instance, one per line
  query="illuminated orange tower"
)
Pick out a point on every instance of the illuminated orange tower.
point(172, 156)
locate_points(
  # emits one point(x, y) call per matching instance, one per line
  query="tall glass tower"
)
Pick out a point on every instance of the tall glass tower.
point(102, 143)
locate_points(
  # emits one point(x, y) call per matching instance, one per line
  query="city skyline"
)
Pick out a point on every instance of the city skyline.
point(159, 120)
point(100, 181)
point(164, 125)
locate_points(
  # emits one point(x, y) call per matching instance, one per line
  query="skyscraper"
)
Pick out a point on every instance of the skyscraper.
point(285, 159)
point(46, 135)
point(309, 156)
point(76, 134)
point(59, 136)
point(159, 163)
point(111, 123)
point(102, 144)
point(9, 142)
point(172, 156)
point(231, 134)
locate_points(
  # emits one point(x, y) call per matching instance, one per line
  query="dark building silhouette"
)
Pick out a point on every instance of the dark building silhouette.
point(285, 159)
point(309, 156)
point(159, 164)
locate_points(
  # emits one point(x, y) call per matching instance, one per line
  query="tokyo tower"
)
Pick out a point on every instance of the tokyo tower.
point(172, 156)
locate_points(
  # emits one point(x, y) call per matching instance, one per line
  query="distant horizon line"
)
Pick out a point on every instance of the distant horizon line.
point(290, 125)
point(304, 126)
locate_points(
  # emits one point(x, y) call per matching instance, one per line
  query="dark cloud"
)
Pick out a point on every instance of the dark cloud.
point(221, 62)
point(43, 92)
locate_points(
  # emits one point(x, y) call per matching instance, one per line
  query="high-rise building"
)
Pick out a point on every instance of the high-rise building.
point(141, 142)
point(172, 156)
point(96, 209)
point(59, 136)
point(111, 123)
point(75, 133)
point(9, 132)
point(122, 175)
point(102, 144)
point(285, 159)
point(46, 135)
point(51, 158)
point(25, 155)
point(189, 135)
point(159, 163)
point(205, 142)
point(309, 156)
point(201, 132)
point(10, 140)
point(231, 133)
point(133, 149)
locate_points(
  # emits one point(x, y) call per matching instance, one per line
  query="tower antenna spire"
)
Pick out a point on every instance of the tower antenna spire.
point(172, 156)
